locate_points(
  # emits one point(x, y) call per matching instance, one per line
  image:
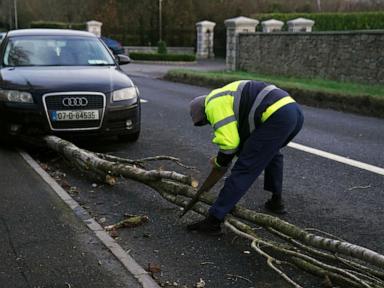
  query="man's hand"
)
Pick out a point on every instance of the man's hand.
point(215, 165)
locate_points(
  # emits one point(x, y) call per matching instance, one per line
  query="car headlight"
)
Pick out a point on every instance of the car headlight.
point(16, 96)
point(125, 94)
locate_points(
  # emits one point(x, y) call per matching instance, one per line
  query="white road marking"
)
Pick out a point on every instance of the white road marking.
point(341, 159)
point(143, 101)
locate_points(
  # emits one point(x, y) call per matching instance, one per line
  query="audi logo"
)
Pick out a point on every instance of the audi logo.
point(75, 102)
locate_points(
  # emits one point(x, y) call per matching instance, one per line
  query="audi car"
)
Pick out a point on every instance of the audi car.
point(66, 83)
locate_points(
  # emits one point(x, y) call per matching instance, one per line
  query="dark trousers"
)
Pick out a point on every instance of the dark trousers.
point(261, 151)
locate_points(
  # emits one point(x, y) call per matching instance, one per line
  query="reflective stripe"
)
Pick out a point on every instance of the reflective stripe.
point(225, 93)
point(259, 98)
point(223, 122)
point(236, 102)
point(228, 152)
point(276, 106)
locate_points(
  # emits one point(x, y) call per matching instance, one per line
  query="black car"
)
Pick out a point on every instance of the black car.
point(114, 45)
point(65, 82)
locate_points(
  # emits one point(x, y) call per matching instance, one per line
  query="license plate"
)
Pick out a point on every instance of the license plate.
point(76, 115)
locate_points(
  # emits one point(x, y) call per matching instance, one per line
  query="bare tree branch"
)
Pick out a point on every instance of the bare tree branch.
point(314, 253)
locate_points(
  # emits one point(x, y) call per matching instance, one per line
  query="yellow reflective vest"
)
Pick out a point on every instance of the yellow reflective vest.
point(222, 108)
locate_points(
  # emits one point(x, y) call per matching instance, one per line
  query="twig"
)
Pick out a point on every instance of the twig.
point(302, 256)
point(129, 222)
point(359, 187)
point(207, 263)
point(239, 277)
point(368, 277)
point(361, 268)
point(368, 272)
point(139, 162)
point(269, 258)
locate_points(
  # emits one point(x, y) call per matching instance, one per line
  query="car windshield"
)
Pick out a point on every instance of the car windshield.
point(56, 51)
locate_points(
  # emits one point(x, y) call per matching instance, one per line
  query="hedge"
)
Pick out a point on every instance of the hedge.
point(162, 57)
point(359, 104)
point(332, 21)
point(161, 47)
point(58, 25)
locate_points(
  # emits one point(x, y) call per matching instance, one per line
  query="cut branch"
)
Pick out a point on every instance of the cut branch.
point(318, 254)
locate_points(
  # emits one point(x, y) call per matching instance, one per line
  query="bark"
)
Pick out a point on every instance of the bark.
point(335, 260)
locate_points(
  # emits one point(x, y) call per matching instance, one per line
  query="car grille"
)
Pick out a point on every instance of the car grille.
point(54, 102)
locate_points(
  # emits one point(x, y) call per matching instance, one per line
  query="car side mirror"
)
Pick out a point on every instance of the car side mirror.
point(123, 59)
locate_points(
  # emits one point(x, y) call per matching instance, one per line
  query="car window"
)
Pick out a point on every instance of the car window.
point(55, 51)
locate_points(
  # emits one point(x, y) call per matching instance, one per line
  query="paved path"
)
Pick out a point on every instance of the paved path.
point(42, 243)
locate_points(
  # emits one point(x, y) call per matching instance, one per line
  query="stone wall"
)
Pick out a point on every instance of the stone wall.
point(356, 56)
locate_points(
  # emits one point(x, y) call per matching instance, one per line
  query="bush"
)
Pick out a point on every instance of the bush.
point(58, 25)
point(332, 21)
point(161, 47)
point(162, 57)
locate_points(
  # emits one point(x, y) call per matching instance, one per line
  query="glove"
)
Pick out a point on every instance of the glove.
point(215, 165)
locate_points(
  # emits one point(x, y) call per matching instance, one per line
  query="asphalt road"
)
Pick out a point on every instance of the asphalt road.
point(320, 193)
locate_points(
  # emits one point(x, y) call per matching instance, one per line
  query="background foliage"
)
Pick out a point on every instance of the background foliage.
point(333, 21)
point(136, 23)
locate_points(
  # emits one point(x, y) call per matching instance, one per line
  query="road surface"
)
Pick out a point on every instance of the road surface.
point(337, 197)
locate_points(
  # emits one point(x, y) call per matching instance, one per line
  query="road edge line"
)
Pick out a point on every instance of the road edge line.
point(337, 158)
point(126, 260)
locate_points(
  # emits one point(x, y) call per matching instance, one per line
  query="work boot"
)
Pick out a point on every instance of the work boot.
point(275, 205)
point(209, 226)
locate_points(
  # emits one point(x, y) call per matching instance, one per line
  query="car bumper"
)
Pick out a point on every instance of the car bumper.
point(30, 120)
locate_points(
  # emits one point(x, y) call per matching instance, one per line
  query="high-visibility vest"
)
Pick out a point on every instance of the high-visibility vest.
point(222, 108)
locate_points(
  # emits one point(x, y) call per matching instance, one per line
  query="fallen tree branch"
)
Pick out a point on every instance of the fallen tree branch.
point(305, 250)
point(129, 222)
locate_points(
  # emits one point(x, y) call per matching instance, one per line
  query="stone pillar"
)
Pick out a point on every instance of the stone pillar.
point(300, 25)
point(272, 25)
point(94, 27)
point(205, 38)
point(234, 27)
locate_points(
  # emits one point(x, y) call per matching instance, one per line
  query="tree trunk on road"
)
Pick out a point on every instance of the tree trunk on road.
point(326, 256)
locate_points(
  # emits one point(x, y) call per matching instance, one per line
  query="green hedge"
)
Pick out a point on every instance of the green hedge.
point(359, 104)
point(58, 25)
point(332, 21)
point(162, 57)
point(162, 47)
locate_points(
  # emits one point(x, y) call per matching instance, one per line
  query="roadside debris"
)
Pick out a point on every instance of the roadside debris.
point(359, 187)
point(129, 222)
point(110, 180)
point(200, 284)
point(235, 277)
point(153, 268)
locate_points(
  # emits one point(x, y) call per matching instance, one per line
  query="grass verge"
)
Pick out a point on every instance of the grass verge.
point(348, 97)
